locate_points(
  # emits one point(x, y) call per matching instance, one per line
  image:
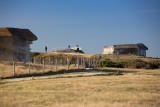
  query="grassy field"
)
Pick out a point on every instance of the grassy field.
point(140, 89)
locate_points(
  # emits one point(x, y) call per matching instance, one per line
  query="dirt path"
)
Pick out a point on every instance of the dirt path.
point(67, 75)
point(87, 73)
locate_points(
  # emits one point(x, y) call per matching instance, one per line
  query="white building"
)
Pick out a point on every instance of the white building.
point(137, 49)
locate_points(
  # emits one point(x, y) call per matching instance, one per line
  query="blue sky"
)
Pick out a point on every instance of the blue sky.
point(92, 24)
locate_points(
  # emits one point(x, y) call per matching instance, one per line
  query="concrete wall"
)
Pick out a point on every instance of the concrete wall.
point(16, 49)
point(21, 50)
point(108, 50)
point(6, 48)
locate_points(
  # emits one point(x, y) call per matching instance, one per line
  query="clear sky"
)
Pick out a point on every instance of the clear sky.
point(92, 24)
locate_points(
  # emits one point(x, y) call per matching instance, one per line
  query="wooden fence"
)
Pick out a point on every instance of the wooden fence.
point(43, 64)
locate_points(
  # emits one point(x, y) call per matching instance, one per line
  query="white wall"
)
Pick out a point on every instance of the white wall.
point(108, 50)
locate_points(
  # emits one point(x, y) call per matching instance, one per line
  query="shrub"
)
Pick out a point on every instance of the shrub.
point(153, 65)
point(130, 63)
point(105, 63)
point(120, 64)
point(109, 63)
point(136, 63)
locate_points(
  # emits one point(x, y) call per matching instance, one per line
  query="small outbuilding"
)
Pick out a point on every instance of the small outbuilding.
point(137, 49)
point(15, 44)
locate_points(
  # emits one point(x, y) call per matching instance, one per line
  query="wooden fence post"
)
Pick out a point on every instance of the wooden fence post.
point(56, 64)
point(49, 59)
point(43, 66)
point(53, 63)
point(77, 62)
point(29, 67)
point(84, 63)
point(68, 63)
point(34, 61)
point(14, 71)
point(94, 60)
point(81, 61)
point(89, 64)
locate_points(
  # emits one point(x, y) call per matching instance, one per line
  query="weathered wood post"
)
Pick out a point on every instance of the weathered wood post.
point(43, 65)
point(14, 70)
point(84, 63)
point(34, 60)
point(56, 63)
point(53, 61)
point(49, 60)
point(89, 64)
point(67, 64)
point(29, 67)
point(94, 62)
point(60, 61)
point(41, 60)
point(77, 62)
point(98, 62)
point(81, 61)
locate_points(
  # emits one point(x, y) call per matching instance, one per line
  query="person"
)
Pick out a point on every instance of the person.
point(69, 47)
point(77, 48)
point(46, 49)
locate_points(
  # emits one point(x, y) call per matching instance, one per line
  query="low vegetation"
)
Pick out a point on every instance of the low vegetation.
point(130, 61)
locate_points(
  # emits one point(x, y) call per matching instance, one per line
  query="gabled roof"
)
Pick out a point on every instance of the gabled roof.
point(140, 46)
point(125, 46)
point(23, 33)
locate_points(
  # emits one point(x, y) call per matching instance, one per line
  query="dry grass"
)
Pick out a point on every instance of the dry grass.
point(6, 70)
point(140, 89)
point(129, 57)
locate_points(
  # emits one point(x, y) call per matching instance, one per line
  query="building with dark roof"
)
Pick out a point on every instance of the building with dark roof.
point(69, 50)
point(15, 44)
point(137, 49)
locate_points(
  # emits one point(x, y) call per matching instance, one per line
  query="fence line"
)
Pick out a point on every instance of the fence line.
point(51, 64)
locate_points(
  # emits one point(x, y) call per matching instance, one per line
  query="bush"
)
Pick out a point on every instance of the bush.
point(120, 64)
point(153, 65)
point(130, 63)
point(105, 62)
point(109, 63)
point(137, 63)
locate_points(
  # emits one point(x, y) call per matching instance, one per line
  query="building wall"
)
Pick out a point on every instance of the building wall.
point(108, 50)
point(16, 49)
point(20, 49)
point(6, 48)
point(142, 52)
point(112, 50)
point(126, 51)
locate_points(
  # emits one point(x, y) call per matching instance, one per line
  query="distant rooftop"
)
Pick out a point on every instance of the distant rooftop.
point(67, 50)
